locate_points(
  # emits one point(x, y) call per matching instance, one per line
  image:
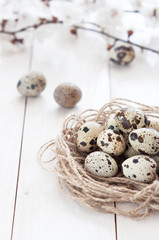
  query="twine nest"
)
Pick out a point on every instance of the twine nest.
point(101, 194)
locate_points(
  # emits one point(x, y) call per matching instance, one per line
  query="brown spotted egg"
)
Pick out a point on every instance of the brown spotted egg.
point(122, 54)
point(111, 123)
point(101, 164)
point(129, 119)
point(31, 84)
point(156, 158)
point(87, 136)
point(145, 141)
point(129, 150)
point(140, 168)
point(67, 94)
point(111, 142)
point(153, 123)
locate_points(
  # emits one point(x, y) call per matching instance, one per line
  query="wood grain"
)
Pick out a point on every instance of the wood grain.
point(12, 66)
point(43, 211)
point(138, 82)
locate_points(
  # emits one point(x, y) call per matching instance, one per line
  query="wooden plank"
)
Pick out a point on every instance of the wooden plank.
point(43, 211)
point(12, 66)
point(138, 82)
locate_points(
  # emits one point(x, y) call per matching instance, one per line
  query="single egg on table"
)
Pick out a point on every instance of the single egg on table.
point(87, 136)
point(101, 164)
point(67, 95)
point(31, 84)
point(122, 54)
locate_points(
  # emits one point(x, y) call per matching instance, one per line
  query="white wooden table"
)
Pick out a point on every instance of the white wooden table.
point(32, 206)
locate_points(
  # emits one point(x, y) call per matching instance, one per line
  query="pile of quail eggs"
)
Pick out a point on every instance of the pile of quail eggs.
point(128, 135)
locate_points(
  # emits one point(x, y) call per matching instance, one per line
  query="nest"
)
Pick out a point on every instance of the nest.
point(105, 195)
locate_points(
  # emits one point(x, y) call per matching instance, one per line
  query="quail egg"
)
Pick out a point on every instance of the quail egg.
point(122, 54)
point(129, 119)
point(129, 150)
point(87, 136)
point(67, 95)
point(101, 164)
point(111, 142)
point(140, 168)
point(111, 123)
point(31, 84)
point(153, 123)
point(145, 141)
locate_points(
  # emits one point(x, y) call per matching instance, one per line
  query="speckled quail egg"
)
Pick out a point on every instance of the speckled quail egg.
point(129, 150)
point(156, 158)
point(129, 119)
point(31, 84)
point(145, 141)
point(122, 54)
point(111, 123)
point(101, 164)
point(87, 136)
point(153, 123)
point(140, 168)
point(111, 142)
point(67, 95)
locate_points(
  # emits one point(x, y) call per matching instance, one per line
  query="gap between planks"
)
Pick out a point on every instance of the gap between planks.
point(116, 226)
point(110, 98)
point(22, 138)
point(18, 174)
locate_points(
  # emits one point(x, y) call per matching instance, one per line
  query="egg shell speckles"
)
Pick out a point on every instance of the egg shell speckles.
point(31, 84)
point(156, 159)
point(111, 123)
point(67, 94)
point(145, 141)
point(122, 54)
point(153, 123)
point(101, 164)
point(87, 136)
point(129, 150)
point(111, 142)
point(129, 119)
point(140, 168)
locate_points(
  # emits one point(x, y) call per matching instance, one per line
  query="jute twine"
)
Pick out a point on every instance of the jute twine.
point(101, 194)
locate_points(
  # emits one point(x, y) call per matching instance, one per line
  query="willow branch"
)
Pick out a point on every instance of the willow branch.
point(116, 38)
point(34, 26)
point(77, 27)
